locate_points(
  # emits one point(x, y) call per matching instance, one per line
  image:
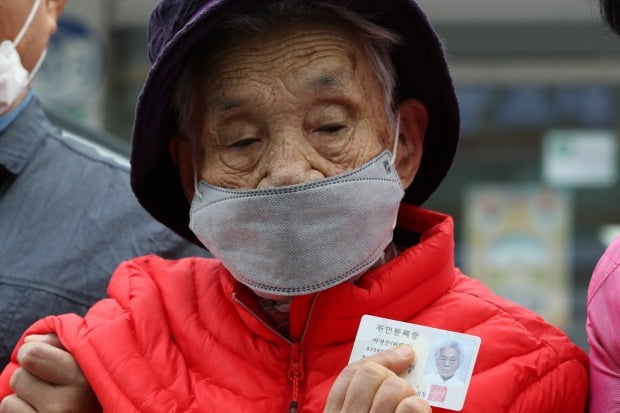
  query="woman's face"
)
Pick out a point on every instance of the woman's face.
point(292, 105)
point(447, 362)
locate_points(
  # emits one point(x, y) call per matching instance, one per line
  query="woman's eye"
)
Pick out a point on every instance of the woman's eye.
point(243, 142)
point(331, 128)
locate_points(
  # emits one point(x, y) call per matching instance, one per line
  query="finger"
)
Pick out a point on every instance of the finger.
point(391, 392)
point(47, 397)
point(13, 404)
point(48, 363)
point(397, 359)
point(51, 339)
point(413, 404)
point(363, 387)
point(29, 388)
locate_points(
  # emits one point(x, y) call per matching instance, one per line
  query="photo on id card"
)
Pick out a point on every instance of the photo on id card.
point(444, 359)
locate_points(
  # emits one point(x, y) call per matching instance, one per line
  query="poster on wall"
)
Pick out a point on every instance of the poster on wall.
point(518, 241)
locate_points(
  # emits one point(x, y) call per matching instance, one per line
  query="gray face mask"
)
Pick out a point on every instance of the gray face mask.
point(303, 238)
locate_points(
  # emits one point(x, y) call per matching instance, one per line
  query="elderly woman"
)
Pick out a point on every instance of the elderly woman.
point(283, 136)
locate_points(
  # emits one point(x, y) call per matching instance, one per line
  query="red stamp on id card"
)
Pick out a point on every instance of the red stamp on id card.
point(437, 393)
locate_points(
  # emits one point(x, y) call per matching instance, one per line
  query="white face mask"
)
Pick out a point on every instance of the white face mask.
point(14, 78)
point(304, 238)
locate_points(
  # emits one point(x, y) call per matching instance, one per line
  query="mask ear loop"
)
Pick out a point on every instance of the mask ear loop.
point(26, 25)
point(197, 192)
point(396, 138)
point(394, 149)
point(37, 66)
point(18, 38)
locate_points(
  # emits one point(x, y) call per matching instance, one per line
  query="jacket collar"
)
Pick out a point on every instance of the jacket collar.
point(19, 142)
point(397, 290)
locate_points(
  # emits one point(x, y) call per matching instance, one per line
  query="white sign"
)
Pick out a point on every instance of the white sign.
point(586, 158)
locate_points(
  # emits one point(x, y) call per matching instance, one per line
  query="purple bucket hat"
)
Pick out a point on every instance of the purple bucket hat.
point(177, 25)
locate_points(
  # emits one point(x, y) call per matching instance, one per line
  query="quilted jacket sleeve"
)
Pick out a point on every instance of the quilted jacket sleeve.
point(525, 364)
point(560, 384)
point(67, 327)
point(561, 390)
point(75, 333)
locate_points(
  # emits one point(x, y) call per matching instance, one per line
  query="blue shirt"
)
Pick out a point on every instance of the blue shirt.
point(8, 118)
point(67, 218)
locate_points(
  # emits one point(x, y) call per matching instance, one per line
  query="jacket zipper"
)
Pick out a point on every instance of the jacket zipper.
point(295, 371)
point(295, 375)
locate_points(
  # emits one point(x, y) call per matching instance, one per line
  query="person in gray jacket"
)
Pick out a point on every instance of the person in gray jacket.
point(67, 214)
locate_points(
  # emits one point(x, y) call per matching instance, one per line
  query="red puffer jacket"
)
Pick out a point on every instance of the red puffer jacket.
point(183, 336)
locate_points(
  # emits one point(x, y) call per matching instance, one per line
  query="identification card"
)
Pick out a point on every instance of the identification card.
point(444, 359)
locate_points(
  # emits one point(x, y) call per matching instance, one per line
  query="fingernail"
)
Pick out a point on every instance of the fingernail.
point(404, 351)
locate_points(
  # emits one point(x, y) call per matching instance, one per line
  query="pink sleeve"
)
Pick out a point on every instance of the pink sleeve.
point(603, 327)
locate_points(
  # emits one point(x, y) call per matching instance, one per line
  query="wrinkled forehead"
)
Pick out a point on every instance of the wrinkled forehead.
point(287, 40)
point(323, 56)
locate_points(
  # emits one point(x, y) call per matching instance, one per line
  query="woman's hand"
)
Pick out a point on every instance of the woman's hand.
point(372, 385)
point(48, 381)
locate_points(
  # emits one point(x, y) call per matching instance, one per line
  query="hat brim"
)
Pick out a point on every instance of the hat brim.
point(422, 74)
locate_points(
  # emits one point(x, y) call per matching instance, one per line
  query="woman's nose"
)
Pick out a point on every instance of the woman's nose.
point(289, 164)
